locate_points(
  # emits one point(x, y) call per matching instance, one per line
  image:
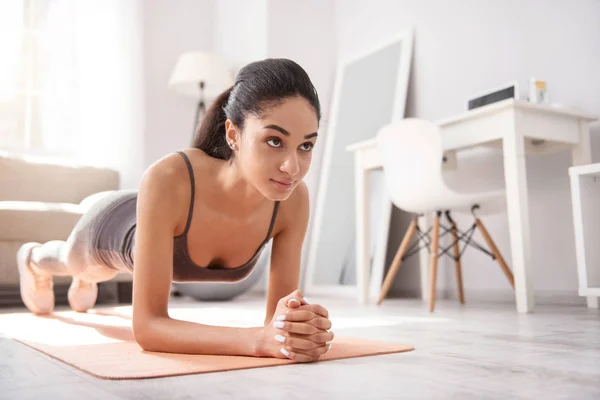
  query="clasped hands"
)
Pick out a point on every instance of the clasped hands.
point(298, 331)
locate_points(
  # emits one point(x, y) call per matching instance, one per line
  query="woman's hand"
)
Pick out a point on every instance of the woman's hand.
point(298, 330)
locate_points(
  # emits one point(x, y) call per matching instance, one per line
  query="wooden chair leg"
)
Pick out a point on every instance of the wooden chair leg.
point(456, 250)
point(496, 252)
point(435, 245)
point(389, 278)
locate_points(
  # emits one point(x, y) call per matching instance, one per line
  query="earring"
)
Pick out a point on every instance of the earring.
point(232, 145)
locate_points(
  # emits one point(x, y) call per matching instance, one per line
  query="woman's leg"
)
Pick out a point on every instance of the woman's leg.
point(68, 258)
point(71, 258)
point(75, 257)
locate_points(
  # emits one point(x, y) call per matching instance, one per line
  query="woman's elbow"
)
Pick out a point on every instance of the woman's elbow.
point(144, 335)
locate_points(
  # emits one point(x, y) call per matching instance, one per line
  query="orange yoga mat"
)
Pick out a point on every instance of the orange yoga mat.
point(101, 343)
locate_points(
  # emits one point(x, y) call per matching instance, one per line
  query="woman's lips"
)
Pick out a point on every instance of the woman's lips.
point(283, 185)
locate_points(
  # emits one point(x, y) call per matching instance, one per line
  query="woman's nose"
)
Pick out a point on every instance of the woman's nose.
point(290, 165)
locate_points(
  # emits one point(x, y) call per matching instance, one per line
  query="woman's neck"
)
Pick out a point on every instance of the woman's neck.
point(236, 196)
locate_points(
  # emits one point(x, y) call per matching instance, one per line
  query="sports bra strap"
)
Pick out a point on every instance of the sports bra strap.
point(273, 220)
point(191, 171)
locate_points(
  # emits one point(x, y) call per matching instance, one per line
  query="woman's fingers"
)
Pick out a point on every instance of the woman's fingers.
point(316, 308)
point(302, 310)
point(308, 317)
point(304, 355)
point(296, 295)
point(305, 342)
point(322, 337)
point(303, 328)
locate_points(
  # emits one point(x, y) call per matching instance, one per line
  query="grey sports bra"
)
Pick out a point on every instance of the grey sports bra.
point(185, 270)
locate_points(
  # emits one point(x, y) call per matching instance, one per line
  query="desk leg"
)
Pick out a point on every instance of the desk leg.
point(581, 155)
point(518, 219)
point(361, 185)
point(425, 222)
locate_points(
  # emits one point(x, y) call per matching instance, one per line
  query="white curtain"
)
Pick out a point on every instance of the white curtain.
point(93, 102)
point(11, 43)
point(11, 17)
point(60, 95)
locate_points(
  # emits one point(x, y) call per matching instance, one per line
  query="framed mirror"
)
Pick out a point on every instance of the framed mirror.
point(369, 92)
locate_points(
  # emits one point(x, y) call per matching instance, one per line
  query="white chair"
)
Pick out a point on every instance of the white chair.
point(412, 154)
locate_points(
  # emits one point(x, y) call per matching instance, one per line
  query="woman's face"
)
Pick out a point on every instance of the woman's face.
point(274, 151)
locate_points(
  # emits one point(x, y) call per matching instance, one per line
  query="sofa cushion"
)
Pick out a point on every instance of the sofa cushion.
point(37, 178)
point(34, 221)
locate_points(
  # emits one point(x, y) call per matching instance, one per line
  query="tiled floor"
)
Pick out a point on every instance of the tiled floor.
point(478, 351)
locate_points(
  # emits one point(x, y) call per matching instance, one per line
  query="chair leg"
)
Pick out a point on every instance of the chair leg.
point(389, 278)
point(459, 281)
point(496, 252)
point(435, 245)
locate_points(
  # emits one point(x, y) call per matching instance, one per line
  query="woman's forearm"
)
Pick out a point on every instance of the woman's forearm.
point(174, 336)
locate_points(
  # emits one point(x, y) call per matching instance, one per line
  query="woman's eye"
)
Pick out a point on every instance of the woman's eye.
point(274, 142)
point(307, 146)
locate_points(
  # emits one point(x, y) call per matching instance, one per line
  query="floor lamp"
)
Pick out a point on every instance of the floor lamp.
point(202, 76)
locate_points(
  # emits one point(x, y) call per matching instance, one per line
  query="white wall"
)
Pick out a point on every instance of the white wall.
point(171, 28)
point(464, 47)
point(241, 30)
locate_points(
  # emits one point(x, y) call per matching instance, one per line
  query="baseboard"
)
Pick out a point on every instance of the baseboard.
point(542, 297)
point(499, 296)
point(10, 294)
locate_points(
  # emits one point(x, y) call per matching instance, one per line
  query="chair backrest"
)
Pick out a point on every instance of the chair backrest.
point(411, 151)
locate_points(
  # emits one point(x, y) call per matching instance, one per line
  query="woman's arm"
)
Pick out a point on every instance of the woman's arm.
point(163, 202)
point(287, 249)
point(304, 330)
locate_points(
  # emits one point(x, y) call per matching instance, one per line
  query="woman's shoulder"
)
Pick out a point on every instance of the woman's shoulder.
point(170, 175)
point(165, 184)
point(172, 168)
point(167, 170)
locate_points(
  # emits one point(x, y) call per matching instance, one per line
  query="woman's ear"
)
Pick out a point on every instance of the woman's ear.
point(231, 134)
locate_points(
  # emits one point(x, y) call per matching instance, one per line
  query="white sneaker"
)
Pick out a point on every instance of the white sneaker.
point(82, 295)
point(37, 290)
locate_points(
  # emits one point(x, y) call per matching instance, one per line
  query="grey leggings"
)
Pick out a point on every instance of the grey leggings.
point(80, 255)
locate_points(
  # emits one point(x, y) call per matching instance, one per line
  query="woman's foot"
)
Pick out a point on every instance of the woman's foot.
point(37, 290)
point(82, 295)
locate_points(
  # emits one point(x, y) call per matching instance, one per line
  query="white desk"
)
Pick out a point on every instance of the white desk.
point(519, 128)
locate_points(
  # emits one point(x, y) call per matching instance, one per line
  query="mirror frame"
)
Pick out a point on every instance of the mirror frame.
point(406, 38)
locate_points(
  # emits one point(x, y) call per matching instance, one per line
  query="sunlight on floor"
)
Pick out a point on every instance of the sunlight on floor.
point(63, 328)
point(250, 316)
point(112, 324)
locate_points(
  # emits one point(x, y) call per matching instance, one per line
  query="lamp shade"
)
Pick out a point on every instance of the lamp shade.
point(195, 67)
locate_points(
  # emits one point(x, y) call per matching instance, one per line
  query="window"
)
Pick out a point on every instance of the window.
point(20, 73)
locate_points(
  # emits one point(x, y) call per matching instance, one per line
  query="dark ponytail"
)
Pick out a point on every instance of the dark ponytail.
point(258, 86)
point(210, 136)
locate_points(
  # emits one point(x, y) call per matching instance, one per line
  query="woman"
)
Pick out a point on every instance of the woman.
point(205, 214)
